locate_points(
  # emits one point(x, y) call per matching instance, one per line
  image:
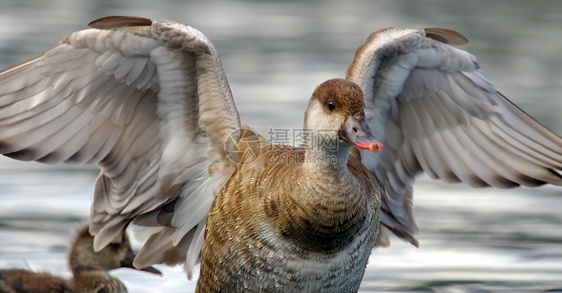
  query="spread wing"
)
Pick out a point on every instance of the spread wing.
point(146, 101)
point(436, 113)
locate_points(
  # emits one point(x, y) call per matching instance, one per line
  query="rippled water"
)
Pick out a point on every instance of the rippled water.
point(275, 53)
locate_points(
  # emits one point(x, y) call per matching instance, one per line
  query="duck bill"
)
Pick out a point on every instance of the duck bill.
point(356, 131)
point(128, 263)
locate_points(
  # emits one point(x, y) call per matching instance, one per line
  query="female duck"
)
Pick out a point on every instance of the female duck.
point(149, 103)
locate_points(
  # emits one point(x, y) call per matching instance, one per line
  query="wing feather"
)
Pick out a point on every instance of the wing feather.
point(146, 101)
point(436, 113)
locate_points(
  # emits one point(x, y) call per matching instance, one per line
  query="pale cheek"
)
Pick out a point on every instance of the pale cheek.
point(318, 119)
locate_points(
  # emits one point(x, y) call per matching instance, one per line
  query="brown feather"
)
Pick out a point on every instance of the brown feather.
point(446, 36)
point(319, 216)
point(111, 22)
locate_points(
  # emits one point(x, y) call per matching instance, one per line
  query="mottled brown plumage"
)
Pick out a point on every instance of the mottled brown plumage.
point(288, 221)
point(89, 270)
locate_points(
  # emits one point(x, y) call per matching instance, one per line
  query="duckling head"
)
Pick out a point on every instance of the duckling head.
point(83, 258)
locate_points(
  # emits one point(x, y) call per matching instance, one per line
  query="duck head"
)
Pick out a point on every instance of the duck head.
point(336, 117)
point(83, 258)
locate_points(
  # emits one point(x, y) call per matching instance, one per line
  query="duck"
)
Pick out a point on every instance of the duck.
point(149, 103)
point(89, 269)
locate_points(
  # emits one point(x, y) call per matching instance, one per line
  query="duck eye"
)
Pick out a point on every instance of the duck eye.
point(331, 105)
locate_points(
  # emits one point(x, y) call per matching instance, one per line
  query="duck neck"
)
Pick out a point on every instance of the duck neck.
point(333, 203)
point(86, 271)
point(81, 261)
point(326, 155)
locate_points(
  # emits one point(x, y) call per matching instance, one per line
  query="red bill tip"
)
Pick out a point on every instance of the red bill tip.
point(371, 146)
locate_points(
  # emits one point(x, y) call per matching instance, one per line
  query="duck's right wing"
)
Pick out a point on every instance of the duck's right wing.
point(146, 101)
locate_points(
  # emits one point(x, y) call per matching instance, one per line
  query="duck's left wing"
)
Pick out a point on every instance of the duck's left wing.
point(436, 113)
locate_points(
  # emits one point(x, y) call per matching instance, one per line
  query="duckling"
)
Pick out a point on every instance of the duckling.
point(89, 270)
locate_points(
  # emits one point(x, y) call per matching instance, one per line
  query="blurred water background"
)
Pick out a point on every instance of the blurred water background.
point(274, 54)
